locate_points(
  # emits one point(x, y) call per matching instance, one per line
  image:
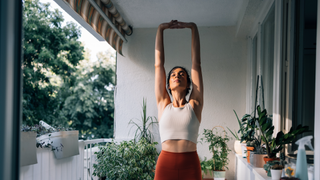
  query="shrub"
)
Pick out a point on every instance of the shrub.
point(127, 160)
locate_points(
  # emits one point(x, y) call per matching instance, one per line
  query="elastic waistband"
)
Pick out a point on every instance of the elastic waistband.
point(176, 153)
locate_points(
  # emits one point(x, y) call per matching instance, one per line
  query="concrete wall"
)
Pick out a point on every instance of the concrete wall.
point(224, 72)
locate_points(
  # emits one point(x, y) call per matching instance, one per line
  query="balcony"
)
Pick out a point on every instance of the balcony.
point(77, 167)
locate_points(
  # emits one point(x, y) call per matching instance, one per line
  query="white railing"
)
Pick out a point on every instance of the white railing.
point(79, 167)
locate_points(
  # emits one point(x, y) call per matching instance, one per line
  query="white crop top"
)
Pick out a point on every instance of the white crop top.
point(179, 123)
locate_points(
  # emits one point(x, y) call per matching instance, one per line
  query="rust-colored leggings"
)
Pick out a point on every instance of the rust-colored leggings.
point(178, 166)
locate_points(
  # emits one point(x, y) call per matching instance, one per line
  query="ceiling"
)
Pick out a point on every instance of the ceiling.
point(150, 13)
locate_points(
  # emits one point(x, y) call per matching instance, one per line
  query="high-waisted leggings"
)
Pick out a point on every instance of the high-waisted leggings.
point(178, 166)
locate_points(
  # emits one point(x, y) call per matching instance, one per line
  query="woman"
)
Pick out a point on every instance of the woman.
point(179, 120)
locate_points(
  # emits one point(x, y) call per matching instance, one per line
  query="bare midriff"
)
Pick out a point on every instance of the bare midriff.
point(179, 145)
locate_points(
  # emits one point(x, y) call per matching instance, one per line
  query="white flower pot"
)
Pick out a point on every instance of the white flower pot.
point(244, 150)
point(276, 174)
point(237, 147)
point(28, 150)
point(219, 175)
point(64, 143)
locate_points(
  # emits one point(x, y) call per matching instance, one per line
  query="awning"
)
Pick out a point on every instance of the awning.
point(104, 18)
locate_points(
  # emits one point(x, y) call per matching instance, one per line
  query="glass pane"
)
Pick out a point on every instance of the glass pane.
point(267, 60)
point(254, 71)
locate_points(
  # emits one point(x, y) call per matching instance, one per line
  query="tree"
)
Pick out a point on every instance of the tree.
point(49, 49)
point(60, 85)
point(90, 105)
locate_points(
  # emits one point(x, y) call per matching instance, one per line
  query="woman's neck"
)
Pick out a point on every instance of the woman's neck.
point(178, 100)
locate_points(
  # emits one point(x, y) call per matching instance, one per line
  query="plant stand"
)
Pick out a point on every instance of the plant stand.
point(28, 150)
point(64, 143)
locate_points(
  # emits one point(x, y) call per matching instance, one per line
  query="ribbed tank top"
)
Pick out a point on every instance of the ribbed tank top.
point(179, 123)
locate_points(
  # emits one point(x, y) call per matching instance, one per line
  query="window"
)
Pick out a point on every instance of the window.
point(265, 93)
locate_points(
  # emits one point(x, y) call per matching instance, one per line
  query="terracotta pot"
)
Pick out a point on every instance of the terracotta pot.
point(248, 152)
point(266, 159)
point(237, 147)
point(258, 160)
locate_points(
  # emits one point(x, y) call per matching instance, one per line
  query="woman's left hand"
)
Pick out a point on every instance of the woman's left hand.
point(182, 25)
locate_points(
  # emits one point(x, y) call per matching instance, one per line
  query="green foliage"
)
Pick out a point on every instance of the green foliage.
point(268, 166)
point(59, 85)
point(247, 128)
point(207, 165)
point(49, 49)
point(143, 124)
point(235, 134)
point(275, 145)
point(90, 104)
point(218, 146)
point(127, 160)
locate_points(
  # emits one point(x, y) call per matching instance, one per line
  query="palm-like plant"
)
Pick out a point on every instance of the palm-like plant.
point(143, 124)
point(275, 145)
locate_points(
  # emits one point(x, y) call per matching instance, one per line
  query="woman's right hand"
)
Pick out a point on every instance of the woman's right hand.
point(168, 25)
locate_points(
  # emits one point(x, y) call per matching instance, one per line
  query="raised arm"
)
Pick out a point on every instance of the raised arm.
point(161, 93)
point(196, 73)
point(196, 97)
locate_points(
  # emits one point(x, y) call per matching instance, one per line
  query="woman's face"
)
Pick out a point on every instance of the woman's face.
point(178, 80)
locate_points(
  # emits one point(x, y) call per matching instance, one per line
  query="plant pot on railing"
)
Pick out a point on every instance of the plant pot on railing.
point(258, 160)
point(64, 143)
point(28, 150)
point(276, 173)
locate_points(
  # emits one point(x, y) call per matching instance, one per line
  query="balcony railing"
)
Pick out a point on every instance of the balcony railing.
point(79, 167)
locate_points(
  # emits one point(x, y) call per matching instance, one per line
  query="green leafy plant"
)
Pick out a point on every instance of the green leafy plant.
point(247, 128)
point(275, 145)
point(143, 124)
point(127, 160)
point(270, 165)
point(207, 165)
point(218, 146)
point(235, 134)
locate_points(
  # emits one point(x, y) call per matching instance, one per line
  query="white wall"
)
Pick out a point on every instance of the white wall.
point(224, 72)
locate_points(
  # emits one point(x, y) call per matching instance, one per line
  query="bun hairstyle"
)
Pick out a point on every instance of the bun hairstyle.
point(188, 79)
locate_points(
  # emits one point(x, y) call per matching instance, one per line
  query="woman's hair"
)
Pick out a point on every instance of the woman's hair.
point(188, 78)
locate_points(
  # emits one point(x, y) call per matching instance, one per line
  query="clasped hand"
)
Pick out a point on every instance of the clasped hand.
point(174, 24)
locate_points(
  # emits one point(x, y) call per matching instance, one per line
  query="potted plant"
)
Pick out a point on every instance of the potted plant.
point(257, 155)
point(275, 145)
point(128, 160)
point(143, 125)
point(246, 132)
point(274, 168)
point(276, 171)
point(207, 168)
point(248, 136)
point(237, 142)
point(218, 146)
point(256, 150)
